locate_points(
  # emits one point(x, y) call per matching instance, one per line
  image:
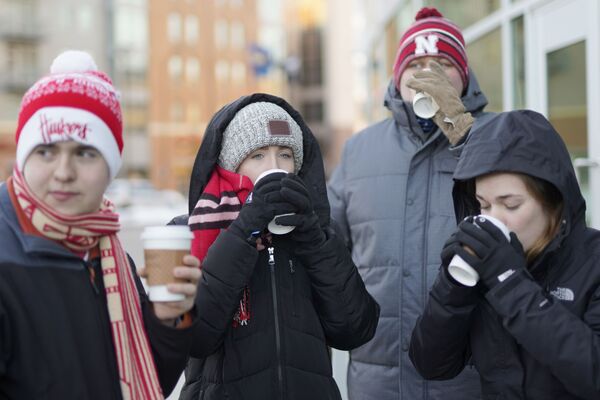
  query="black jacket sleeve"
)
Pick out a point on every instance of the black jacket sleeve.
point(565, 343)
point(439, 346)
point(4, 341)
point(170, 346)
point(226, 269)
point(348, 313)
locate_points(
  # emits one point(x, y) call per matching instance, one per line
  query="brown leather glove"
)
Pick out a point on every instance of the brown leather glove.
point(452, 117)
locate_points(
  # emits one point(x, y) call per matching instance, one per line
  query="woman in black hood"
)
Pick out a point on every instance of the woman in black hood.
point(531, 325)
point(268, 305)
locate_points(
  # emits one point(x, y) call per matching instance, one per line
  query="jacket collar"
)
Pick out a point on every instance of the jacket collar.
point(30, 244)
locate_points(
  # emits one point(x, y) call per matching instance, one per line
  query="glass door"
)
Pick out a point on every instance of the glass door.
point(564, 85)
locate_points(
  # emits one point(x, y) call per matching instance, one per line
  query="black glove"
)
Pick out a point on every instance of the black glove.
point(308, 232)
point(495, 258)
point(449, 249)
point(260, 208)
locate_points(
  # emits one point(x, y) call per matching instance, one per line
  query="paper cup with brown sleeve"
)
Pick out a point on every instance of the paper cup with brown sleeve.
point(164, 248)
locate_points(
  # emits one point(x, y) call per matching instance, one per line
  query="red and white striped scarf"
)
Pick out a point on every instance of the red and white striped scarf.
point(218, 206)
point(80, 233)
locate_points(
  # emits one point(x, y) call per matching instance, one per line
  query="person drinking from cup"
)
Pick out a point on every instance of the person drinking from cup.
point(531, 324)
point(269, 302)
point(74, 320)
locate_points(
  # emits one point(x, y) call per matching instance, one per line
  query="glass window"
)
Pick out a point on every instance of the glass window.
point(465, 12)
point(238, 72)
point(191, 29)
point(174, 27)
point(193, 113)
point(131, 28)
point(84, 18)
point(312, 111)
point(238, 39)
point(567, 101)
point(175, 67)
point(192, 69)
point(311, 72)
point(221, 28)
point(518, 52)
point(485, 59)
point(222, 70)
point(176, 111)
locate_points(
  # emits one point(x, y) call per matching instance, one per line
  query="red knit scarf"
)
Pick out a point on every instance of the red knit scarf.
point(218, 206)
point(81, 233)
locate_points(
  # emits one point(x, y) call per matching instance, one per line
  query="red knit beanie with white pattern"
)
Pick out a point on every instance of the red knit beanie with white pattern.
point(74, 102)
point(432, 35)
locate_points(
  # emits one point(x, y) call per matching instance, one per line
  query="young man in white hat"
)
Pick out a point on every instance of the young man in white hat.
point(74, 320)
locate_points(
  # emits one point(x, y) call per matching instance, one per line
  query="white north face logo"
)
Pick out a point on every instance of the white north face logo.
point(426, 44)
point(564, 294)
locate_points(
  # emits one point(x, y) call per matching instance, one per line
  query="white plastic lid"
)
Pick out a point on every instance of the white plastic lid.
point(167, 232)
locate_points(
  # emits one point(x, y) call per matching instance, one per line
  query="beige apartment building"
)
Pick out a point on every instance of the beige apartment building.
point(198, 62)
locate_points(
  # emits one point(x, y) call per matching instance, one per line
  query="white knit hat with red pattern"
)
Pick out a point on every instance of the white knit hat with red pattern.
point(74, 102)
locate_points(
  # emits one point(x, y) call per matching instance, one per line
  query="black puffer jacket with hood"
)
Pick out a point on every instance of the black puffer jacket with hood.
point(535, 335)
point(298, 306)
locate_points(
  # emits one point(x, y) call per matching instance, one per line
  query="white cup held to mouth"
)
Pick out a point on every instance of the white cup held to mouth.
point(164, 248)
point(424, 105)
point(274, 227)
point(460, 270)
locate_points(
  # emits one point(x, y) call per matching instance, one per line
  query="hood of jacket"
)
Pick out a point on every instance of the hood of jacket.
point(524, 142)
point(473, 99)
point(312, 171)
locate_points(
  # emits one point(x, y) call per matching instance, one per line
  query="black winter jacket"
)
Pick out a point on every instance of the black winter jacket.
point(55, 332)
point(535, 335)
point(298, 306)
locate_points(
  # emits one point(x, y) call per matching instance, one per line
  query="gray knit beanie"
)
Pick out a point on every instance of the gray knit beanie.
point(259, 125)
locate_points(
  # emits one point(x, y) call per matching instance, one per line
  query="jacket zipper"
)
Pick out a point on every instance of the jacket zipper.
point(92, 275)
point(292, 272)
point(271, 262)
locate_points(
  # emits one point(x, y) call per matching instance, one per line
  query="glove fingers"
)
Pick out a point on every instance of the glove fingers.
point(275, 177)
point(516, 244)
point(438, 69)
point(268, 187)
point(290, 220)
point(274, 197)
point(473, 230)
point(282, 208)
point(294, 181)
point(480, 249)
point(299, 200)
point(470, 259)
point(420, 85)
point(449, 251)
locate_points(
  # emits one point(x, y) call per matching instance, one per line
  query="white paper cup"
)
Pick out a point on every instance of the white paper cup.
point(274, 227)
point(424, 105)
point(463, 272)
point(164, 248)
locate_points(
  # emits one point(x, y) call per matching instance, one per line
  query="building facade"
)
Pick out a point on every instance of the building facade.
point(198, 62)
